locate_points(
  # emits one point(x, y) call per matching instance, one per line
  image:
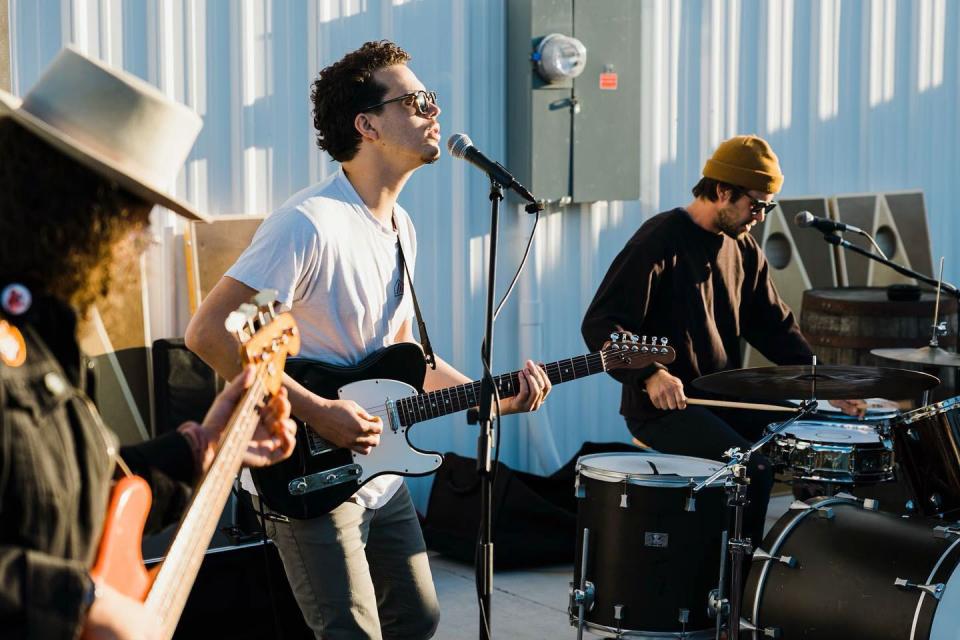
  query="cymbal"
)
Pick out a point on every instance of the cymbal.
point(933, 356)
point(833, 382)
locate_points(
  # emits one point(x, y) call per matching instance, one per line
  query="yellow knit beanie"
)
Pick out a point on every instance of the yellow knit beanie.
point(746, 161)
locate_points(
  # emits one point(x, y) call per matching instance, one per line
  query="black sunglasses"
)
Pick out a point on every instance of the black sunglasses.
point(422, 101)
point(756, 205)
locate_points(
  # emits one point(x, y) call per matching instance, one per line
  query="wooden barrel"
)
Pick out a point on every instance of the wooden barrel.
point(844, 324)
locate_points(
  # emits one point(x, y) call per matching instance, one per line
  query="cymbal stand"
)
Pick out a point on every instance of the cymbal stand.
point(937, 329)
point(739, 547)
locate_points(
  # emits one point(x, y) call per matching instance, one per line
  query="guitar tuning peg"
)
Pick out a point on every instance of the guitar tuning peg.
point(663, 342)
point(615, 336)
point(235, 323)
point(249, 312)
point(644, 339)
point(634, 337)
point(265, 301)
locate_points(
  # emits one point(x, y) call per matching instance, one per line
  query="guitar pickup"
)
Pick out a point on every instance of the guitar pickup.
point(323, 479)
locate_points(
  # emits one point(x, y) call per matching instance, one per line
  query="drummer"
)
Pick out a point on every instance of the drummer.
point(696, 276)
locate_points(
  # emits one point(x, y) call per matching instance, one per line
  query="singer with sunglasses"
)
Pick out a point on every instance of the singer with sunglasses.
point(334, 253)
point(696, 276)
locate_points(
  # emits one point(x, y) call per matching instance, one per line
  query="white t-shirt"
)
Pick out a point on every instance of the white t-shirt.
point(337, 270)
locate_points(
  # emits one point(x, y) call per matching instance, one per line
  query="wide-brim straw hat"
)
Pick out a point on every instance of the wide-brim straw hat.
point(111, 122)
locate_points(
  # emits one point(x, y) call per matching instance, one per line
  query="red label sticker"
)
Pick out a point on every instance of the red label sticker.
point(608, 81)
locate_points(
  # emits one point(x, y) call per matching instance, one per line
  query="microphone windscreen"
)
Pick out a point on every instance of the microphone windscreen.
point(804, 219)
point(458, 144)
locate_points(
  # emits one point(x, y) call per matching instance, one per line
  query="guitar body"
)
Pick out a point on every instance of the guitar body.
point(394, 372)
point(119, 562)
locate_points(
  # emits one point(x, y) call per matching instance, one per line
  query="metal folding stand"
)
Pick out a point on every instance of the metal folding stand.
point(486, 436)
point(736, 544)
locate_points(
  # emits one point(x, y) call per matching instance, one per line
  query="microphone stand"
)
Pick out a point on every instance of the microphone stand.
point(485, 438)
point(946, 287)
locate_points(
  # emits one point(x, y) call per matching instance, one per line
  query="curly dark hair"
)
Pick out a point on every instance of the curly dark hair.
point(344, 89)
point(63, 224)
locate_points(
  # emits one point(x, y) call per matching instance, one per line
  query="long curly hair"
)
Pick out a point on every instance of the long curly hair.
point(65, 231)
point(346, 88)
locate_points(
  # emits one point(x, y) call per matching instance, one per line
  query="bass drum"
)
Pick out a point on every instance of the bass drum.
point(857, 574)
point(652, 556)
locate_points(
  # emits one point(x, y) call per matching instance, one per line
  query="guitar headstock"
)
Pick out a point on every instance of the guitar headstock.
point(626, 350)
point(266, 337)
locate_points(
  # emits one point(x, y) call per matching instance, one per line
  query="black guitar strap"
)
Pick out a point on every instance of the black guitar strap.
point(421, 325)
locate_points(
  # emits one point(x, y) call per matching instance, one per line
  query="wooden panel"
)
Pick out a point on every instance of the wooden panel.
point(212, 248)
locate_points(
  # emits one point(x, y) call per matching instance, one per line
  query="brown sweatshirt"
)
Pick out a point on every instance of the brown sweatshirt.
point(701, 290)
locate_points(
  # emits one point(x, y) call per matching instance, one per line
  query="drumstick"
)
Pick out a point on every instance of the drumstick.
point(740, 405)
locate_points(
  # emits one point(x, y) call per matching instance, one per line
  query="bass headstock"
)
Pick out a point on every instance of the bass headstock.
point(626, 350)
point(266, 337)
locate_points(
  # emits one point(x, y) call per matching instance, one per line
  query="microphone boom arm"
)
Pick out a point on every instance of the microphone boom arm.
point(946, 287)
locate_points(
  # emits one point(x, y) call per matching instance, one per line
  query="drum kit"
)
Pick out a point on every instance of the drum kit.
point(661, 551)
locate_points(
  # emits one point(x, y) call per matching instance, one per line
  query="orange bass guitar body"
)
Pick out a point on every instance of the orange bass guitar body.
point(119, 562)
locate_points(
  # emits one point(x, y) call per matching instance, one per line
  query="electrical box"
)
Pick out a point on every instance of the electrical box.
point(573, 128)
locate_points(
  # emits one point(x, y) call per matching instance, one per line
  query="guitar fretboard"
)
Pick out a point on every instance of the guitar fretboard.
point(434, 404)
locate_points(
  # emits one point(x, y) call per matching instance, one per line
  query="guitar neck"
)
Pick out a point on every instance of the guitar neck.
point(435, 404)
point(176, 576)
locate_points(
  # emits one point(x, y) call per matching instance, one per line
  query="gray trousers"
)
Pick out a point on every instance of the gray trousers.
point(361, 573)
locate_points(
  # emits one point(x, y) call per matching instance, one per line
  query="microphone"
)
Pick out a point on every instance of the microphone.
point(461, 146)
point(807, 219)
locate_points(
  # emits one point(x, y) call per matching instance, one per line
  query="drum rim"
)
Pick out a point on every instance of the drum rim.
point(930, 578)
point(611, 632)
point(855, 426)
point(928, 410)
point(642, 479)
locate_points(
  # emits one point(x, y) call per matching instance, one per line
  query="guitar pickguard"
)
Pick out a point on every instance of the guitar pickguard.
point(394, 454)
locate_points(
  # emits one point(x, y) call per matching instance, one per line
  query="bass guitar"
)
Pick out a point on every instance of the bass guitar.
point(319, 476)
point(119, 564)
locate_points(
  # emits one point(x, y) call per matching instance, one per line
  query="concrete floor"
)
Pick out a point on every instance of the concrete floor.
point(527, 605)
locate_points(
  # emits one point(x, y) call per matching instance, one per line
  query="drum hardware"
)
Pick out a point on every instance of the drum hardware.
point(946, 532)
point(583, 597)
point(738, 546)
point(935, 590)
point(869, 504)
point(759, 555)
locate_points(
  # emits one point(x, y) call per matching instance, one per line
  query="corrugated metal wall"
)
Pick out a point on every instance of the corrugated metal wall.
point(854, 96)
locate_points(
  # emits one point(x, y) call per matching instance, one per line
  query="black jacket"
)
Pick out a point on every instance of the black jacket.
point(55, 473)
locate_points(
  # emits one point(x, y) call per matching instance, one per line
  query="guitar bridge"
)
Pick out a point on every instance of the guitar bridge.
point(324, 479)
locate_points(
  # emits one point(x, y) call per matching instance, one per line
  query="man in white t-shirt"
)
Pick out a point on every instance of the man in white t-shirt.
point(331, 251)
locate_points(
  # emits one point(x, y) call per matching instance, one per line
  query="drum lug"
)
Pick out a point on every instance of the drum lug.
point(579, 491)
point(763, 556)
point(766, 632)
point(942, 531)
point(870, 504)
point(935, 590)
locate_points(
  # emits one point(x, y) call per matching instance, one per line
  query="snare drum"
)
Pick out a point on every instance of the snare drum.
point(652, 557)
point(855, 574)
point(848, 453)
point(927, 442)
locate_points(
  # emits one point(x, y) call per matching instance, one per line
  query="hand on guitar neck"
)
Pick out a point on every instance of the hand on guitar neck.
point(275, 435)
